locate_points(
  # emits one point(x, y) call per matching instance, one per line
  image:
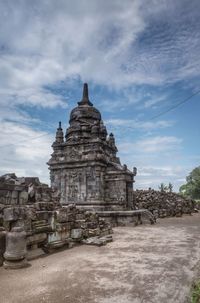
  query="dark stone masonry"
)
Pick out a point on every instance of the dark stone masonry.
point(163, 204)
point(84, 167)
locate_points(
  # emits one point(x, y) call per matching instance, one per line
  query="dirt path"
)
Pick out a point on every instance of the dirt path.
point(146, 264)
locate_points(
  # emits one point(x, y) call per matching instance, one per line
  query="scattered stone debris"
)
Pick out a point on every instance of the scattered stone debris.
point(32, 227)
point(98, 241)
point(163, 204)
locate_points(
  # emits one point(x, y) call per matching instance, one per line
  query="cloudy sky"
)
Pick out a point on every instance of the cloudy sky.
point(139, 57)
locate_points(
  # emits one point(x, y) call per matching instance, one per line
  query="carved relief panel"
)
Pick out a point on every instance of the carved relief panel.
point(95, 184)
point(75, 186)
point(116, 191)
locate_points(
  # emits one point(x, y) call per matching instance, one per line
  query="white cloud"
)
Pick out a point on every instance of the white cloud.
point(24, 151)
point(153, 176)
point(150, 146)
point(158, 159)
point(43, 43)
point(152, 102)
point(158, 144)
point(131, 124)
point(169, 171)
point(46, 42)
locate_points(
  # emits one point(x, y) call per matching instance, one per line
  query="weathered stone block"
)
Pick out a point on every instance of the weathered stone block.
point(41, 226)
point(14, 213)
point(23, 197)
point(10, 214)
point(93, 232)
point(48, 206)
point(80, 224)
point(36, 239)
point(92, 225)
point(76, 233)
point(63, 227)
point(43, 215)
point(80, 216)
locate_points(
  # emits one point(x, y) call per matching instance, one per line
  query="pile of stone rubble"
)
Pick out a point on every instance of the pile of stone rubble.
point(163, 204)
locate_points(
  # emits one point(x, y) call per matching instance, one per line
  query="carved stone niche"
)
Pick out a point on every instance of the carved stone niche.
point(74, 153)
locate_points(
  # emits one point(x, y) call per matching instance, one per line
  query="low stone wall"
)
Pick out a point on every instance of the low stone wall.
point(163, 204)
point(124, 218)
point(47, 228)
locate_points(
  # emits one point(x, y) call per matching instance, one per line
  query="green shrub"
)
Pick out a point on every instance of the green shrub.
point(195, 296)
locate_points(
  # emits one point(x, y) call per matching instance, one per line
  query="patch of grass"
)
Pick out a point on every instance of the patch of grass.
point(195, 295)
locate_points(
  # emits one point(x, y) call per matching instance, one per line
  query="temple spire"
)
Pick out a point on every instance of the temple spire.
point(85, 91)
point(85, 99)
point(59, 134)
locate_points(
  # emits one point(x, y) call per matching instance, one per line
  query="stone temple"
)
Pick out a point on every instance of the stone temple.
point(84, 167)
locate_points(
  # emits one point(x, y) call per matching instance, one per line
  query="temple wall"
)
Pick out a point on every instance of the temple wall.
point(79, 185)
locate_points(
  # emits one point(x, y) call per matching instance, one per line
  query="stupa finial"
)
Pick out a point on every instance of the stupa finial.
point(85, 99)
point(59, 134)
point(59, 125)
point(85, 91)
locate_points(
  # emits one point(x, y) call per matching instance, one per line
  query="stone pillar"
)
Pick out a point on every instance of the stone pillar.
point(15, 255)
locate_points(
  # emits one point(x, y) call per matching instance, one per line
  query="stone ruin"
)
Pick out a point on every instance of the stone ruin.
point(34, 223)
point(23, 190)
point(90, 192)
point(84, 167)
point(163, 204)
point(85, 170)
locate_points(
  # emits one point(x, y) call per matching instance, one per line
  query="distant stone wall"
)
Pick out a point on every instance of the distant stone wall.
point(163, 204)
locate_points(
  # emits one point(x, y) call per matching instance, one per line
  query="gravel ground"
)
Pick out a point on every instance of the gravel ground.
point(144, 264)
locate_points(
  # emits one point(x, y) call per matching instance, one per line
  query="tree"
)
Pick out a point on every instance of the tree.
point(192, 187)
point(170, 187)
point(163, 187)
